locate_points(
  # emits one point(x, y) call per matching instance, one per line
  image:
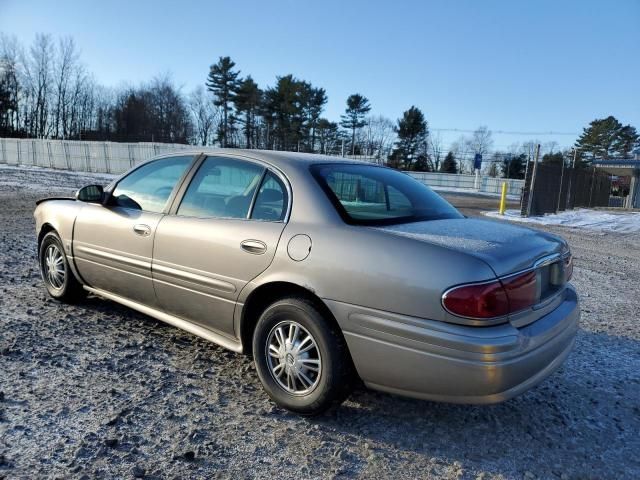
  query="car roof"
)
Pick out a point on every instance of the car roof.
point(282, 160)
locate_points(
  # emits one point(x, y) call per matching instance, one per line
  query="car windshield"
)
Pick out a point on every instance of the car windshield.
point(372, 195)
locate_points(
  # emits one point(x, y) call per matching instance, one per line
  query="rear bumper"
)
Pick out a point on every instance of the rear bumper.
point(454, 363)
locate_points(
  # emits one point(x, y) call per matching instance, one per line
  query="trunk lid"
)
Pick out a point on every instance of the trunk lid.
point(504, 247)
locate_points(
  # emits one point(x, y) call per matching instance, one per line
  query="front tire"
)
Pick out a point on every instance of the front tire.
point(56, 274)
point(301, 358)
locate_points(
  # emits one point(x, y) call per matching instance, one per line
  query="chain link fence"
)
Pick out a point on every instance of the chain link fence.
point(557, 188)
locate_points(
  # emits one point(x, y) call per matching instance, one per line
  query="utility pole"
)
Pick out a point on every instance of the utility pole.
point(573, 169)
point(533, 180)
point(560, 189)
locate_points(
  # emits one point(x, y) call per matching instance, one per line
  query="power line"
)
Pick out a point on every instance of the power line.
point(504, 132)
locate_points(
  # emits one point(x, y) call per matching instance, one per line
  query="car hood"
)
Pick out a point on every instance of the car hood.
point(506, 248)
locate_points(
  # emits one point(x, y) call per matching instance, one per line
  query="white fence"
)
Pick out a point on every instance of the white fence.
point(112, 157)
point(99, 157)
point(467, 182)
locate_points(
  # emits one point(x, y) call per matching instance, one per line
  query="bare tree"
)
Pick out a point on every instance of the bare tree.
point(436, 150)
point(461, 151)
point(37, 72)
point(378, 136)
point(481, 141)
point(205, 115)
point(64, 66)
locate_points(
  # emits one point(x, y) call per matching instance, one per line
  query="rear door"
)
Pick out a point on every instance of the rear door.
point(220, 234)
point(113, 243)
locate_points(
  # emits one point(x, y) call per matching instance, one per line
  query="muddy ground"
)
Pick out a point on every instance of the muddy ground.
point(98, 391)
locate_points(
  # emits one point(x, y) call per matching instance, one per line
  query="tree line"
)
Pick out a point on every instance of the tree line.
point(47, 92)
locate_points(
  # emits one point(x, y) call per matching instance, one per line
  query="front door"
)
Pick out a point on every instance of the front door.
point(223, 234)
point(113, 243)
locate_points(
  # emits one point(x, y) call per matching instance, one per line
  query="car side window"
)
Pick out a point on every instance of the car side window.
point(221, 188)
point(271, 201)
point(148, 188)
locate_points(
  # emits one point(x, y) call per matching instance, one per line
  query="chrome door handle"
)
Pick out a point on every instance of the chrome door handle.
point(142, 230)
point(253, 246)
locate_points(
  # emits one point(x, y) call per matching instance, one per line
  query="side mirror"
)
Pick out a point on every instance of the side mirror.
point(90, 193)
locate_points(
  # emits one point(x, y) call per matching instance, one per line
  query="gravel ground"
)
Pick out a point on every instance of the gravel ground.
point(99, 391)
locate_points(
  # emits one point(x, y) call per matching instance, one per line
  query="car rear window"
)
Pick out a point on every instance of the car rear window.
point(373, 195)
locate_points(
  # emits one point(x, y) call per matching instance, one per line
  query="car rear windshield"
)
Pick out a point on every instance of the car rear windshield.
point(373, 195)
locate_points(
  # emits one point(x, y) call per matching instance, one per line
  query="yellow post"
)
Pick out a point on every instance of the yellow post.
point(503, 198)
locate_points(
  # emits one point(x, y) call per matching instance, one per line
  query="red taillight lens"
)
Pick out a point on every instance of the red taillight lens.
point(493, 299)
point(486, 300)
point(521, 291)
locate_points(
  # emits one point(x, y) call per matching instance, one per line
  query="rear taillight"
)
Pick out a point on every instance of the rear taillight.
point(568, 268)
point(482, 301)
point(493, 299)
point(521, 291)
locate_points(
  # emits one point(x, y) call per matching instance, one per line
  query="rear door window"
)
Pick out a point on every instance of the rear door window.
point(222, 188)
point(271, 201)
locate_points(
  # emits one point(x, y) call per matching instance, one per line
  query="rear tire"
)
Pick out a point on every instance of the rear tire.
point(301, 358)
point(58, 278)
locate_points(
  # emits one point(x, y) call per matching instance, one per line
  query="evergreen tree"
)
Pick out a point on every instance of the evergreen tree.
point(449, 165)
point(607, 138)
point(553, 158)
point(284, 112)
point(412, 133)
point(513, 166)
point(314, 101)
point(627, 141)
point(8, 99)
point(248, 101)
point(353, 118)
point(328, 135)
point(223, 82)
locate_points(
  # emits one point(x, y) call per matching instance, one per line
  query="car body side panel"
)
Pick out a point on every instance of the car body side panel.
point(402, 276)
point(111, 256)
point(200, 267)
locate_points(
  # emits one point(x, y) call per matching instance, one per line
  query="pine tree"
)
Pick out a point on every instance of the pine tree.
point(283, 110)
point(315, 101)
point(553, 158)
point(248, 101)
point(513, 166)
point(449, 165)
point(223, 82)
point(412, 133)
point(606, 138)
point(353, 118)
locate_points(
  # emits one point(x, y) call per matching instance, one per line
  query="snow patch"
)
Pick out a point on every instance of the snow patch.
point(596, 220)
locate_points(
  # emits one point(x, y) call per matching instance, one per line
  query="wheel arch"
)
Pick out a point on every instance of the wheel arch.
point(266, 294)
point(46, 228)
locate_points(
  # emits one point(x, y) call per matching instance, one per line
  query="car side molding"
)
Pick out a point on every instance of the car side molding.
point(222, 340)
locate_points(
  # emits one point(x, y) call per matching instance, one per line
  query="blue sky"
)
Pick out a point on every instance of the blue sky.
point(511, 65)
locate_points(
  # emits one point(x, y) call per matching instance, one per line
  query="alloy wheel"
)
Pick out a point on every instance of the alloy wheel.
point(293, 358)
point(54, 267)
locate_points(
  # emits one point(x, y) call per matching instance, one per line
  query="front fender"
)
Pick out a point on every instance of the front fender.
point(59, 215)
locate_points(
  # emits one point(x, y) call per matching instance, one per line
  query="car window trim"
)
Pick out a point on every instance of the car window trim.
point(255, 194)
point(267, 168)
